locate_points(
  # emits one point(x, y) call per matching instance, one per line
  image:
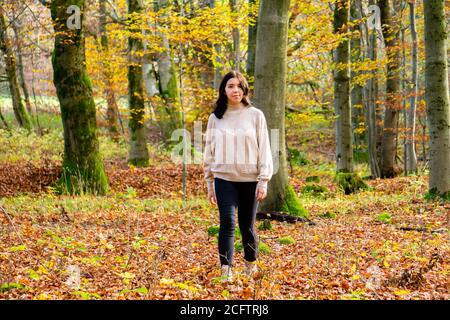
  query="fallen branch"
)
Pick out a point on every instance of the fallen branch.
point(283, 217)
point(422, 229)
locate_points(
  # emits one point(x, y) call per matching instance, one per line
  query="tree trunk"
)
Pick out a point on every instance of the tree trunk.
point(437, 97)
point(83, 169)
point(207, 65)
point(150, 82)
point(344, 146)
point(411, 158)
point(373, 113)
point(236, 39)
point(138, 152)
point(269, 96)
point(403, 91)
point(21, 114)
point(251, 47)
point(391, 39)
point(369, 45)
point(217, 62)
point(356, 89)
point(169, 115)
point(112, 111)
point(218, 69)
point(23, 82)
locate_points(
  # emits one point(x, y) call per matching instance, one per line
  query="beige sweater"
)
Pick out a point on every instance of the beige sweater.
point(237, 147)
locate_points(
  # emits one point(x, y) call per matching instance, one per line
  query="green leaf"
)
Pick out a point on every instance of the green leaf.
point(9, 286)
point(18, 248)
point(385, 218)
point(34, 275)
point(84, 295)
point(143, 290)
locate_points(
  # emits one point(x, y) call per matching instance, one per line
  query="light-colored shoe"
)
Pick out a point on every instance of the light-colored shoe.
point(227, 274)
point(250, 268)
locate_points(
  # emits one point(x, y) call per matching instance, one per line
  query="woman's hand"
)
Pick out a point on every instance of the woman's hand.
point(212, 197)
point(261, 193)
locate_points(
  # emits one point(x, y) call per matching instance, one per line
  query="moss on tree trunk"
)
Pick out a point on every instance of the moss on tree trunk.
point(291, 204)
point(350, 182)
point(83, 170)
point(138, 153)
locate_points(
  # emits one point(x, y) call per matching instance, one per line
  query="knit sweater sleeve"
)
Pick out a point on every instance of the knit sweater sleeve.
point(208, 156)
point(265, 162)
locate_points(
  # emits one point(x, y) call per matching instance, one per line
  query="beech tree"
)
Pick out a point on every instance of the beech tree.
point(269, 96)
point(82, 166)
point(437, 97)
point(342, 106)
point(138, 152)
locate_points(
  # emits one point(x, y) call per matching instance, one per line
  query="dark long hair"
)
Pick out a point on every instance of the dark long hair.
point(221, 103)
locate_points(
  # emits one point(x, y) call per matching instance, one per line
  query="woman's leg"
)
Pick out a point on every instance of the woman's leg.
point(227, 197)
point(247, 206)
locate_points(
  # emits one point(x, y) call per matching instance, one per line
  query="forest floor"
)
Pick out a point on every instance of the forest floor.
point(142, 241)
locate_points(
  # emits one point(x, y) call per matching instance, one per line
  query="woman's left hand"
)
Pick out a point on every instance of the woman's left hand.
point(261, 193)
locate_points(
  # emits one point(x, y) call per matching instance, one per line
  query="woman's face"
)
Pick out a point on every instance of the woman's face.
point(234, 91)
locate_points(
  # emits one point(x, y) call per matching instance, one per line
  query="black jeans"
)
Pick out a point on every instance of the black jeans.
point(241, 195)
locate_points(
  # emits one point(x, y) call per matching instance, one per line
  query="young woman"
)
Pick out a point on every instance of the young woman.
point(237, 167)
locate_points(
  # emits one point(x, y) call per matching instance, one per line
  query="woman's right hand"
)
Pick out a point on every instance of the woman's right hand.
point(212, 197)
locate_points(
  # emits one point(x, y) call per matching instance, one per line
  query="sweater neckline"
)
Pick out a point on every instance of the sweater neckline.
point(237, 110)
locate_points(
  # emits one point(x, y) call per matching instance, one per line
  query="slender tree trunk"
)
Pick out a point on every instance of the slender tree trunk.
point(23, 82)
point(169, 115)
point(150, 78)
point(391, 39)
point(356, 91)
point(218, 68)
point(150, 82)
point(269, 96)
point(21, 114)
point(411, 158)
point(437, 96)
point(357, 116)
point(404, 109)
point(217, 62)
point(356, 56)
point(251, 46)
point(344, 146)
point(369, 45)
point(207, 65)
point(236, 39)
point(138, 152)
point(112, 111)
point(374, 114)
point(377, 93)
point(83, 169)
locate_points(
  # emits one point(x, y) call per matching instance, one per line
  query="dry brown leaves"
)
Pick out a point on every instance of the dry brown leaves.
point(160, 253)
